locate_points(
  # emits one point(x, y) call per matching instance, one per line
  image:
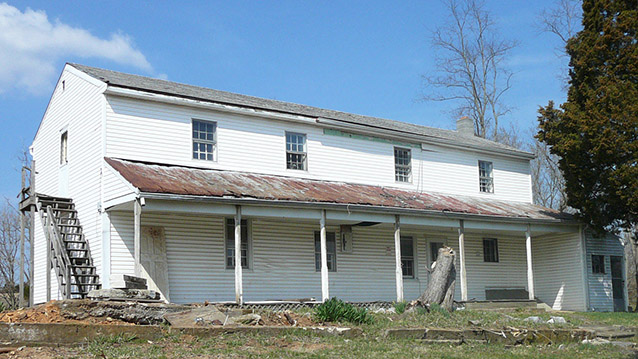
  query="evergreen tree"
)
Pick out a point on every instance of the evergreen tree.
point(595, 133)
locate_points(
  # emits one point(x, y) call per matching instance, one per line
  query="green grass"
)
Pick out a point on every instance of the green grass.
point(303, 345)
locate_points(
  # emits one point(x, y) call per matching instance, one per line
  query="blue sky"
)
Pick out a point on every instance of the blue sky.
point(365, 57)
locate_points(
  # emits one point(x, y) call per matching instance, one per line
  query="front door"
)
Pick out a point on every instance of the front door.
point(617, 283)
point(154, 262)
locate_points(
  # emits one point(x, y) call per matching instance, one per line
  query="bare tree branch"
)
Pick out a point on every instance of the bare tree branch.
point(470, 65)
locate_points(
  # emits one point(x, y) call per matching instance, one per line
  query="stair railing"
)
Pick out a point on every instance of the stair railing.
point(59, 249)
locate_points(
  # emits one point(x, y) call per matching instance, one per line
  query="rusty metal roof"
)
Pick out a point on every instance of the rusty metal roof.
point(179, 180)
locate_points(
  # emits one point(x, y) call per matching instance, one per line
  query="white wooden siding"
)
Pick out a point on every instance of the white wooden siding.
point(156, 132)
point(510, 272)
point(558, 271)
point(114, 185)
point(600, 286)
point(79, 110)
point(283, 260)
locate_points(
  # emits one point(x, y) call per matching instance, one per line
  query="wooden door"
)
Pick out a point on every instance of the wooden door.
point(154, 262)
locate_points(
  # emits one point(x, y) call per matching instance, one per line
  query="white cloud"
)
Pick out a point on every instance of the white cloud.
point(31, 46)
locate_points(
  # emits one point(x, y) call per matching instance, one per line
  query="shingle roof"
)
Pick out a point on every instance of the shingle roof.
point(120, 79)
point(180, 180)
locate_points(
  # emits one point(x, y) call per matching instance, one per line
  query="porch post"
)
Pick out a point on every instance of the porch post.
point(325, 285)
point(530, 271)
point(22, 229)
point(137, 236)
point(397, 257)
point(462, 261)
point(239, 289)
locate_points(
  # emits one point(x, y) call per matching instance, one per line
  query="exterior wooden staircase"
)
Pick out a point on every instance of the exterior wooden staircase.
point(70, 256)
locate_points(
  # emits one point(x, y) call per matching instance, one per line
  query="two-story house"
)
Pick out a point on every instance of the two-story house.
point(215, 196)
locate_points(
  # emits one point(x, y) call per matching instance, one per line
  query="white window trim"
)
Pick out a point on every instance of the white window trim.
point(215, 144)
point(394, 148)
point(415, 264)
point(314, 251)
point(62, 132)
point(249, 259)
point(491, 176)
point(306, 162)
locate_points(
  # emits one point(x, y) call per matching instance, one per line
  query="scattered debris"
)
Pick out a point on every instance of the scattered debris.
point(138, 295)
point(248, 319)
point(557, 320)
point(123, 281)
point(385, 311)
point(596, 341)
point(475, 323)
point(533, 319)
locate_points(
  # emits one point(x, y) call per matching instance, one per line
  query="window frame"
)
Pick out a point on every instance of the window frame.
point(249, 243)
point(495, 258)
point(488, 177)
point(317, 238)
point(200, 141)
point(64, 147)
point(434, 254)
point(602, 267)
point(411, 257)
point(304, 153)
point(397, 166)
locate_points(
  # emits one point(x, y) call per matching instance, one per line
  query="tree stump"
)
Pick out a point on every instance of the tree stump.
point(440, 288)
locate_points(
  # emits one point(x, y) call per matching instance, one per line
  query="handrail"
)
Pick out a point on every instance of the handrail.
point(60, 249)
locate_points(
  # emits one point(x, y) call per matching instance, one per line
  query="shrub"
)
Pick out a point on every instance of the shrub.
point(399, 307)
point(336, 310)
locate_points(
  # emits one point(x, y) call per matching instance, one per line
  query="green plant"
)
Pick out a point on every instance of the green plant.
point(436, 308)
point(336, 310)
point(399, 307)
point(3, 307)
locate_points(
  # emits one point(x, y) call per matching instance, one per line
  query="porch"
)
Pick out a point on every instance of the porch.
point(298, 253)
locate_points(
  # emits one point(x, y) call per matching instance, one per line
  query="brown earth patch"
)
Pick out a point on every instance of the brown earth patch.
point(50, 313)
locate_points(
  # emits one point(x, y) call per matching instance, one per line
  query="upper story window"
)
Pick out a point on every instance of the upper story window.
point(204, 140)
point(296, 156)
point(486, 178)
point(64, 145)
point(402, 164)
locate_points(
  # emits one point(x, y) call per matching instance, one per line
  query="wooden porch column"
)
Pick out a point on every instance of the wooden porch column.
point(397, 257)
point(32, 236)
point(137, 236)
point(325, 284)
point(239, 289)
point(530, 271)
point(462, 261)
point(22, 229)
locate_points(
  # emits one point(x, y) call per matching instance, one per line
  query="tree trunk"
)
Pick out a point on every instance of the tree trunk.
point(440, 288)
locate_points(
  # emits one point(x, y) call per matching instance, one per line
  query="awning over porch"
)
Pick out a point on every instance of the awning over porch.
point(189, 181)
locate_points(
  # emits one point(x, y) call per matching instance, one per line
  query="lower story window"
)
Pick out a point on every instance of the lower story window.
point(407, 256)
point(230, 244)
point(331, 250)
point(598, 264)
point(490, 250)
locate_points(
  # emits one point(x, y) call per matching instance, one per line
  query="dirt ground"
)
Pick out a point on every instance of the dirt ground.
point(80, 313)
point(50, 313)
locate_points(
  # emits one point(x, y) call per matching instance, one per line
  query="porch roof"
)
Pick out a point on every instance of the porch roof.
point(192, 181)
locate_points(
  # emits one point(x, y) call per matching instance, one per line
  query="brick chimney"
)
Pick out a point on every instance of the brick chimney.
point(465, 126)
